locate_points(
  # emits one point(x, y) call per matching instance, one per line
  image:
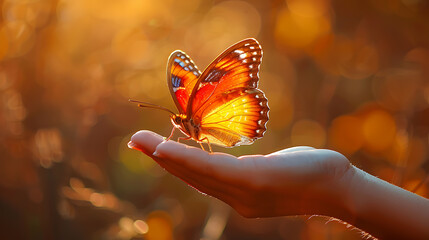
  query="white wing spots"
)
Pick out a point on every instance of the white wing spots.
point(261, 104)
point(247, 44)
point(254, 59)
point(239, 51)
point(245, 61)
point(187, 61)
point(260, 122)
point(257, 96)
point(195, 73)
point(251, 75)
point(251, 66)
point(255, 53)
point(182, 57)
point(190, 67)
point(252, 47)
point(243, 55)
point(186, 68)
point(182, 64)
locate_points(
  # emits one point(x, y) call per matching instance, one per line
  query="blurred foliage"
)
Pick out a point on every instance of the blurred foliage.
point(346, 75)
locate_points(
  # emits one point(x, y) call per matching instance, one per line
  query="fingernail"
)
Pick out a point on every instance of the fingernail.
point(134, 146)
point(156, 154)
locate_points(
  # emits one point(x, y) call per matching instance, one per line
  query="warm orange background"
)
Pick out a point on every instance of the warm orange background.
point(346, 75)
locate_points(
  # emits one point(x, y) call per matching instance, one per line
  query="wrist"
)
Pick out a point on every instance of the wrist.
point(338, 196)
point(331, 197)
point(346, 195)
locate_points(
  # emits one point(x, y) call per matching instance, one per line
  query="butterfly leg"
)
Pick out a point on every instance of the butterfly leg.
point(202, 146)
point(208, 144)
point(171, 134)
point(183, 138)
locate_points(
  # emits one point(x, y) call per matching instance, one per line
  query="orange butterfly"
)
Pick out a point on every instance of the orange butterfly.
point(222, 105)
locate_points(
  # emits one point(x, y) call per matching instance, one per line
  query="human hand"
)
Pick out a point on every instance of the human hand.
point(298, 180)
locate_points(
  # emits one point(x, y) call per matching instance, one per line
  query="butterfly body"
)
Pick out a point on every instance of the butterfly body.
point(222, 105)
point(189, 127)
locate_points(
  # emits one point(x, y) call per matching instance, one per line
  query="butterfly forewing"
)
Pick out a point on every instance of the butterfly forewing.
point(236, 67)
point(182, 77)
point(226, 102)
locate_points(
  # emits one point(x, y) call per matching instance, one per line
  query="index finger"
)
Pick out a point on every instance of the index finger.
point(217, 165)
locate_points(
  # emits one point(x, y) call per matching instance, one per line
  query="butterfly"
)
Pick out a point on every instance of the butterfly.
point(222, 105)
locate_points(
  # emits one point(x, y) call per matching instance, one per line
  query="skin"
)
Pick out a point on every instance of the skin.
point(294, 181)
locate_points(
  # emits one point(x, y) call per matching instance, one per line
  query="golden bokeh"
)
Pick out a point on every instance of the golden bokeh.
point(345, 134)
point(299, 29)
point(160, 226)
point(308, 133)
point(379, 130)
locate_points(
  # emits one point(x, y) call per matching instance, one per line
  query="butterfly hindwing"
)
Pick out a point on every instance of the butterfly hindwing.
point(226, 102)
point(237, 118)
point(182, 76)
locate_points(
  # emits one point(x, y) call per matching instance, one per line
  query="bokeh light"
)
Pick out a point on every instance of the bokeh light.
point(346, 135)
point(301, 23)
point(160, 226)
point(344, 75)
point(308, 133)
point(379, 130)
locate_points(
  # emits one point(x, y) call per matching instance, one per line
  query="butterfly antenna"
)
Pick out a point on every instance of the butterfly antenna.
point(150, 105)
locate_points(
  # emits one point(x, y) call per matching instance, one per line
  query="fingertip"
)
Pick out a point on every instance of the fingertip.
point(145, 141)
point(134, 146)
point(143, 134)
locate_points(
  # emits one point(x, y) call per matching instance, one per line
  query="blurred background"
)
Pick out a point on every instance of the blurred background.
point(346, 75)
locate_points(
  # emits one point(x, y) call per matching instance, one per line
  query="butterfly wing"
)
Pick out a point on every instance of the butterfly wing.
point(226, 102)
point(238, 118)
point(182, 76)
